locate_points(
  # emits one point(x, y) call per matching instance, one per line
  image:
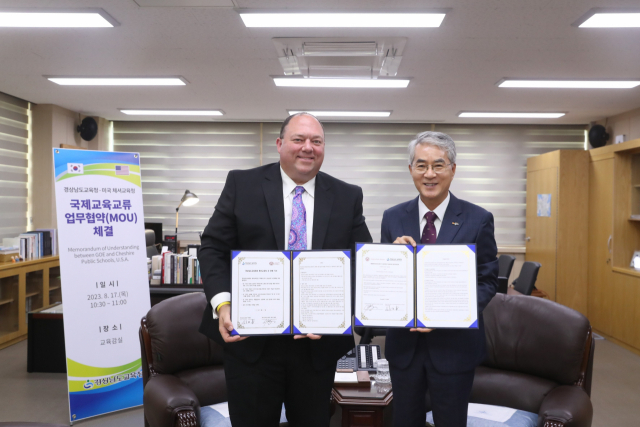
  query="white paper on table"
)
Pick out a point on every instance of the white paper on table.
point(321, 292)
point(260, 292)
point(446, 279)
point(384, 285)
point(346, 377)
point(499, 414)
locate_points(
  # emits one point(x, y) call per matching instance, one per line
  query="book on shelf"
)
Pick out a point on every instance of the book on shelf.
point(53, 236)
point(179, 269)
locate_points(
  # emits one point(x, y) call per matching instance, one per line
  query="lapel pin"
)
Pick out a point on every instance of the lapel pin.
point(455, 223)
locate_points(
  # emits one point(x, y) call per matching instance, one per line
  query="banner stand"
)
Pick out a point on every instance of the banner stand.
point(103, 269)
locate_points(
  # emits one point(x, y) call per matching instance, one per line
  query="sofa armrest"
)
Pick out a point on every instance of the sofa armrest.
point(165, 397)
point(567, 406)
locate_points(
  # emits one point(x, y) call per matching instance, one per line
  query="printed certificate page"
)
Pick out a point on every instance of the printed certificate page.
point(260, 292)
point(322, 292)
point(447, 286)
point(384, 285)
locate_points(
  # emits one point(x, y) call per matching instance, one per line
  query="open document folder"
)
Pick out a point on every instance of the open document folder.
point(291, 292)
point(429, 286)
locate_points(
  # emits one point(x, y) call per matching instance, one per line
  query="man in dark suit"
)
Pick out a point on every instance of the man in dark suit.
point(258, 209)
point(441, 361)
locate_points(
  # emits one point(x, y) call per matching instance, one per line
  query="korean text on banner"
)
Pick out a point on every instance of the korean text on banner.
point(103, 269)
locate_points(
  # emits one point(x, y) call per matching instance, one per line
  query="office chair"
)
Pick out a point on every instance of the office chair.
point(527, 279)
point(150, 239)
point(505, 264)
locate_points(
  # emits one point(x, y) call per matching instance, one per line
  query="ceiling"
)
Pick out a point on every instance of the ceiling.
point(228, 66)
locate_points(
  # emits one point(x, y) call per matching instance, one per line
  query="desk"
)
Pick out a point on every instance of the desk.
point(364, 407)
point(45, 342)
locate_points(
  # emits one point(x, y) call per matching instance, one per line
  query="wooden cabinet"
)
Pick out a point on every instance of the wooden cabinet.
point(557, 239)
point(614, 235)
point(600, 294)
point(24, 287)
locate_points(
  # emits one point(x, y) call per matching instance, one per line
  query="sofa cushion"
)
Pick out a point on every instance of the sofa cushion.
point(535, 336)
point(512, 389)
point(495, 416)
point(176, 344)
point(218, 415)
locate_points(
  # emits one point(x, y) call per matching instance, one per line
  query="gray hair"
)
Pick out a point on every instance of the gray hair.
point(437, 139)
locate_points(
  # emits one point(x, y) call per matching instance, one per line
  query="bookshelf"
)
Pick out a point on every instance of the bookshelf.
point(26, 286)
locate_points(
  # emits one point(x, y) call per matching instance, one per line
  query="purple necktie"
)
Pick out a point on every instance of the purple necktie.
point(298, 231)
point(429, 232)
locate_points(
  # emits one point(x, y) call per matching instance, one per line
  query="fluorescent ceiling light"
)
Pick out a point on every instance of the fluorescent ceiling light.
point(118, 81)
point(343, 113)
point(336, 20)
point(611, 20)
point(341, 83)
point(39, 18)
point(172, 112)
point(513, 115)
point(572, 84)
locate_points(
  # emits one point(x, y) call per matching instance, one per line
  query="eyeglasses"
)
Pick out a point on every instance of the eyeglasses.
point(437, 168)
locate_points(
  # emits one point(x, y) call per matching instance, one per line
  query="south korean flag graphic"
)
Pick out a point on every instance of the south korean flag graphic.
point(75, 168)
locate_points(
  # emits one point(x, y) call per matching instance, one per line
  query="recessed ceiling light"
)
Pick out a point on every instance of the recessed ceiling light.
point(336, 20)
point(512, 115)
point(43, 18)
point(341, 83)
point(118, 81)
point(343, 113)
point(571, 84)
point(172, 112)
point(609, 18)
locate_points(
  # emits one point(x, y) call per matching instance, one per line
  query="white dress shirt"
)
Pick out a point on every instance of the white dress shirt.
point(439, 211)
point(288, 192)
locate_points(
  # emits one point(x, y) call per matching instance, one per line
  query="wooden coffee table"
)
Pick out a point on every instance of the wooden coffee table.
point(364, 407)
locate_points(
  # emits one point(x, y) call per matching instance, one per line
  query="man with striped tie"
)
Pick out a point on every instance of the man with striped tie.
point(440, 361)
point(285, 205)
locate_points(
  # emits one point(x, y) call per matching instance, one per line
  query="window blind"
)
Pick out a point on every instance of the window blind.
point(176, 156)
point(491, 164)
point(14, 152)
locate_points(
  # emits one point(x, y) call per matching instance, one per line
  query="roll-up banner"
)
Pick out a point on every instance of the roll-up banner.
point(103, 268)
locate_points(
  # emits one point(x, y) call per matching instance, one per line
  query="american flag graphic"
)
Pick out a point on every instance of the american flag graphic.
point(122, 170)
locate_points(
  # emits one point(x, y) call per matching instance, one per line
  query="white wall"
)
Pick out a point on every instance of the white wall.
point(52, 126)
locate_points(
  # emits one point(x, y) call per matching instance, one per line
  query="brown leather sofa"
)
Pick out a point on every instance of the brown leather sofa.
point(539, 359)
point(181, 368)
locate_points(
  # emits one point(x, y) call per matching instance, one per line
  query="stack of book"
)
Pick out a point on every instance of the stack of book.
point(38, 243)
point(183, 269)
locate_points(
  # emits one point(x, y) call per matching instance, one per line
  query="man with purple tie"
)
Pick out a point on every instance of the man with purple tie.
point(280, 206)
point(438, 361)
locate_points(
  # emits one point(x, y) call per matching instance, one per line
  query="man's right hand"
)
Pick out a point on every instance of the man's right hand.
point(225, 326)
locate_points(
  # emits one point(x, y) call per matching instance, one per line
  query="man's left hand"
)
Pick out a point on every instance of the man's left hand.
point(423, 330)
point(310, 336)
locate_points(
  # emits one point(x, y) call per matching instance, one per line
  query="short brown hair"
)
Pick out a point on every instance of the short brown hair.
point(288, 119)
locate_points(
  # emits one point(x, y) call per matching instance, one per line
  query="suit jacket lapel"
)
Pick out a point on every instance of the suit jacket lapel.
point(272, 187)
point(323, 202)
point(411, 221)
point(451, 222)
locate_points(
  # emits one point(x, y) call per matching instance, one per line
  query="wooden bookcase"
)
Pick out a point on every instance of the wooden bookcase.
point(614, 235)
point(26, 286)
